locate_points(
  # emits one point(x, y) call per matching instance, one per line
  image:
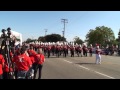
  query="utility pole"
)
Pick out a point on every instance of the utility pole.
point(45, 31)
point(62, 36)
point(63, 33)
point(64, 21)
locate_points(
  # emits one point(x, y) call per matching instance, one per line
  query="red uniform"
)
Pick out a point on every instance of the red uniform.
point(31, 52)
point(40, 59)
point(11, 54)
point(79, 49)
point(6, 69)
point(17, 52)
point(90, 49)
point(98, 51)
point(1, 63)
point(72, 48)
point(65, 47)
point(49, 48)
point(32, 58)
point(58, 47)
point(32, 55)
point(22, 62)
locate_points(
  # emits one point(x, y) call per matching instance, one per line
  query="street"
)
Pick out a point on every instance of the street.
point(81, 68)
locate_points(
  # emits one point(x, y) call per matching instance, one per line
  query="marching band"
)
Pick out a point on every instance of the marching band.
point(26, 58)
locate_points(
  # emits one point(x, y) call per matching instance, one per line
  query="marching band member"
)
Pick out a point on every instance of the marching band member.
point(72, 49)
point(79, 49)
point(48, 49)
point(85, 49)
point(64, 50)
point(90, 50)
point(98, 55)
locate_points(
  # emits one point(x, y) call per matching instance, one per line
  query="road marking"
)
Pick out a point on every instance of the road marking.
point(83, 67)
point(97, 72)
point(104, 75)
point(67, 61)
point(90, 70)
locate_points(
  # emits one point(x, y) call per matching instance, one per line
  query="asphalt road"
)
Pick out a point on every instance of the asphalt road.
point(81, 68)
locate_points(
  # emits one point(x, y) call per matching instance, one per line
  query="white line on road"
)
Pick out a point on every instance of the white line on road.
point(104, 75)
point(84, 67)
point(91, 70)
point(97, 72)
point(67, 61)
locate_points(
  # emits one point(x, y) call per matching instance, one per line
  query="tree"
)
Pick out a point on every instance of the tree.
point(101, 35)
point(42, 39)
point(118, 39)
point(115, 42)
point(78, 40)
point(119, 35)
point(28, 40)
point(54, 38)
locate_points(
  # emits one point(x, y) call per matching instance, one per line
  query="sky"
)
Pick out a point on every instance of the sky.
point(32, 24)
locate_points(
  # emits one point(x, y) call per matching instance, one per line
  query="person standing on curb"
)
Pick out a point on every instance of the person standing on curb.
point(39, 60)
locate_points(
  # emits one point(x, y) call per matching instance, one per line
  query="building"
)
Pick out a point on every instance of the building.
point(16, 34)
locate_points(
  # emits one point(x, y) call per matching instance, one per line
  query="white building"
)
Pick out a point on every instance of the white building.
point(16, 34)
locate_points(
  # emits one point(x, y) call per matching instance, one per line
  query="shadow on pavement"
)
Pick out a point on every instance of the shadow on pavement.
point(86, 63)
point(58, 57)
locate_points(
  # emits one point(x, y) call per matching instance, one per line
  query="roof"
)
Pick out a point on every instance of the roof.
point(17, 34)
